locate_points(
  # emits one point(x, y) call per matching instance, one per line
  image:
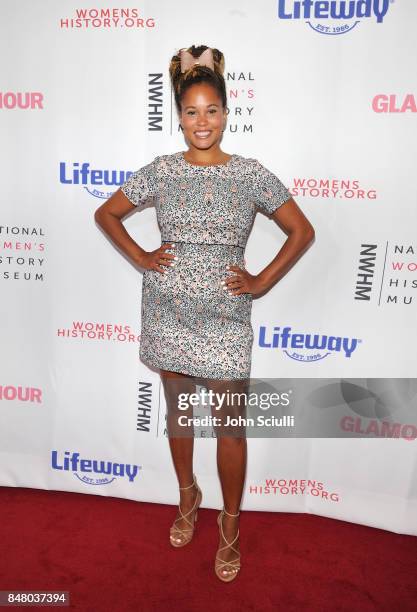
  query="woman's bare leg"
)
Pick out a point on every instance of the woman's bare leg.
point(231, 461)
point(181, 439)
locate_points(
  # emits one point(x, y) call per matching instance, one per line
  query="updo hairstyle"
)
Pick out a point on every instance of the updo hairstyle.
point(181, 82)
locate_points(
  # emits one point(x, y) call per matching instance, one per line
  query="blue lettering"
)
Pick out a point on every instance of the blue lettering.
point(284, 339)
point(72, 462)
point(83, 175)
point(332, 9)
point(262, 341)
point(349, 348)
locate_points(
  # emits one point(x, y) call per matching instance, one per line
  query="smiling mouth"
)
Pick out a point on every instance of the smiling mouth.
point(202, 134)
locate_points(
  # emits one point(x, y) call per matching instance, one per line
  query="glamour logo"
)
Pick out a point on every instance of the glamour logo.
point(21, 99)
point(21, 394)
point(318, 13)
point(321, 344)
point(391, 103)
point(382, 407)
point(82, 174)
point(72, 463)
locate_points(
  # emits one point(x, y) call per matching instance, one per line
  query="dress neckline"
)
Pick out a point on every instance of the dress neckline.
point(186, 162)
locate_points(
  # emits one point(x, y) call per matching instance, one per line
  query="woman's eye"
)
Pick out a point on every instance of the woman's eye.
point(213, 110)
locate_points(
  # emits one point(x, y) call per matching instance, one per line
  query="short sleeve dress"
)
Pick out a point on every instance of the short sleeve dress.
point(189, 323)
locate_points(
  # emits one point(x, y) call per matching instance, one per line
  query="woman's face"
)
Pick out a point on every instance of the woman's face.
point(202, 116)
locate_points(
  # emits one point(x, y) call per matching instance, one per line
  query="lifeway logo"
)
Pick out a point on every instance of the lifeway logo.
point(94, 180)
point(306, 346)
point(333, 17)
point(105, 471)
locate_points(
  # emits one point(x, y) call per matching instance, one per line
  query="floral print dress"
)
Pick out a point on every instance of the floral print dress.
point(189, 323)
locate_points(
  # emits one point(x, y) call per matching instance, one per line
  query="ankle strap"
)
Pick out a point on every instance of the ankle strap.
point(191, 485)
point(224, 510)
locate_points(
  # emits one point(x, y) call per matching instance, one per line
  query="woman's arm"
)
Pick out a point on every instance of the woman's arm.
point(109, 215)
point(300, 235)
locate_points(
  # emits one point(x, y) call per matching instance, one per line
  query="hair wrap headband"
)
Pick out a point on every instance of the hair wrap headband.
point(188, 60)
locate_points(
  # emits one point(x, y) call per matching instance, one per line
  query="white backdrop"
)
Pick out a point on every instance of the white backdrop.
point(326, 103)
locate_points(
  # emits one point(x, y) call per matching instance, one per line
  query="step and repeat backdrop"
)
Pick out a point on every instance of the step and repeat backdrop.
point(324, 95)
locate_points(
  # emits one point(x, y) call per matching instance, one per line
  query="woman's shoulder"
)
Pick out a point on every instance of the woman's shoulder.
point(166, 158)
point(166, 163)
point(249, 162)
point(246, 165)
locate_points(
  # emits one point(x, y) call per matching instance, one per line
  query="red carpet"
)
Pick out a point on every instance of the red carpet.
point(114, 555)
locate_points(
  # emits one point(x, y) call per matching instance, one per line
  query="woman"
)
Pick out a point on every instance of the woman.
point(196, 293)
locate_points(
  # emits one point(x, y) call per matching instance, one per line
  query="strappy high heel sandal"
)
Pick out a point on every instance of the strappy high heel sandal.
point(220, 565)
point(181, 537)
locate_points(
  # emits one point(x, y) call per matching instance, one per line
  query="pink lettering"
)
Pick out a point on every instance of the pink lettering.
point(383, 103)
point(22, 394)
point(23, 100)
